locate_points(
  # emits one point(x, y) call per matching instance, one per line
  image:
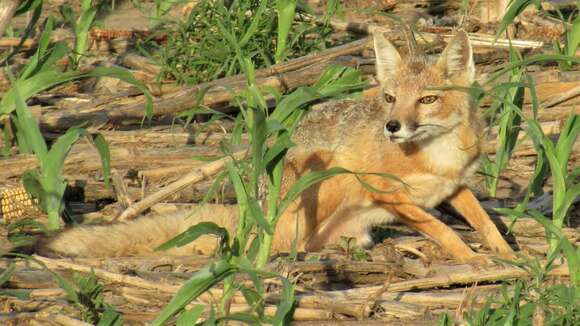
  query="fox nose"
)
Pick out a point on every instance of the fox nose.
point(393, 126)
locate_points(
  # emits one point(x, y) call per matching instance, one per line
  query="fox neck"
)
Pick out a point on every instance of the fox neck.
point(454, 153)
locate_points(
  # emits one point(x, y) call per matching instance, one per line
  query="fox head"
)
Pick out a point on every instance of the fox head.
point(417, 93)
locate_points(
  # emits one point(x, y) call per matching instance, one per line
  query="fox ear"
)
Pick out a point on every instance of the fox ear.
point(387, 57)
point(457, 58)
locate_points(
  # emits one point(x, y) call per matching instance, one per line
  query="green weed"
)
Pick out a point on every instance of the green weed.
point(88, 296)
point(258, 184)
point(508, 123)
point(535, 302)
point(41, 73)
point(526, 303)
point(206, 45)
point(80, 26)
point(46, 183)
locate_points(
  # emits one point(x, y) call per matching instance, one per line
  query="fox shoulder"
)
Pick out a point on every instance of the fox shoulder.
point(329, 124)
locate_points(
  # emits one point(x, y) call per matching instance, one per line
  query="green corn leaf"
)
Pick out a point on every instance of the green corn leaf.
point(286, 305)
point(280, 147)
point(258, 216)
point(110, 317)
point(337, 80)
point(26, 6)
point(82, 27)
point(31, 182)
point(253, 298)
point(16, 293)
point(54, 162)
point(572, 257)
point(43, 52)
point(533, 96)
point(559, 179)
point(295, 100)
point(70, 291)
point(200, 282)
point(567, 138)
point(570, 197)
point(254, 248)
point(273, 126)
point(47, 79)
point(255, 275)
point(189, 317)
point(33, 85)
point(195, 232)
point(103, 148)
point(515, 8)
point(246, 318)
point(253, 28)
point(214, 187)
point(311, 178)
point(286, 10)
point(236, 179)
point(489, 171)
point(35, 5)
point(538, 58)
point(334, 81)
point(28, 126)
point(304, 182)
point(259, 134)
point(68, 14)
point(540, 173)
point(573, 37)
point(20, 131)
point(369, 187)
point(57, 51)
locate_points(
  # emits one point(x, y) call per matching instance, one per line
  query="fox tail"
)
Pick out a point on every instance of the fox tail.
point(140, 237)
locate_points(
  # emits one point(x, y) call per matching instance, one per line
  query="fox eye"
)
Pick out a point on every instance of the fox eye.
point(389, 98)
point(428, 99)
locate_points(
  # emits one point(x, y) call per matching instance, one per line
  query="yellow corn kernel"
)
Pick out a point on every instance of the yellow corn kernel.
point(16, 203)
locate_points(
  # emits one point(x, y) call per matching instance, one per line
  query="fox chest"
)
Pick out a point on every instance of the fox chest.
point(429, 190)
point(445, 167)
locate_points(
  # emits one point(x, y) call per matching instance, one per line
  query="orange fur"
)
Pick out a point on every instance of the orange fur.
point(433, 152)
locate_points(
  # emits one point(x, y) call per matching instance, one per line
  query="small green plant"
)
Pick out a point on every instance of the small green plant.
point(42, 73)
point(554, 158)
point(571, 41)
point(548, 304)
point(571, 36)
point(352, 250)
point(86, 293)
point(80, 26)
point(516, 7)
point(46, 183)
point(89, 298)
point(528, 303)
point(249, 250)
point(206, 45)
point(509, 124)
point(258, 180)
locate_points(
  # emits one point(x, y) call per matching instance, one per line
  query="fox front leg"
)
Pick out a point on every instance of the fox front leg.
point(428, 225)
point(469, 207)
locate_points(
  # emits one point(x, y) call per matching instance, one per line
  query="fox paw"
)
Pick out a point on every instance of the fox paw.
point(479, 260)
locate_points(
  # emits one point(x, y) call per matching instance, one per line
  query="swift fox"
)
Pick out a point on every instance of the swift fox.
point(415, 129)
